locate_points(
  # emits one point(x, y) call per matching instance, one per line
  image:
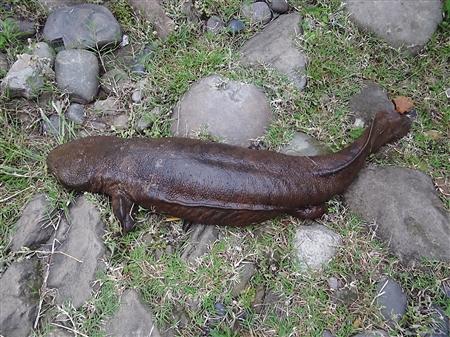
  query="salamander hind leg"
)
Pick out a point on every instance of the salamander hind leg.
point(309, 212)
point(121, 207)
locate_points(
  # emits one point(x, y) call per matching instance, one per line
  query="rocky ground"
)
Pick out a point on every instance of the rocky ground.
point(302, 78)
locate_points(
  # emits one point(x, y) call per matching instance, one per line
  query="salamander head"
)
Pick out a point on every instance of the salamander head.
point(74, 163)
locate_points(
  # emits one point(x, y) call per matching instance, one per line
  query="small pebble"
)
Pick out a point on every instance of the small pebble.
point(136, 96)
point(333, 283)
point(52, 125)
point(75, 113)
point(215, 24)
point(220, 309)
point(235, 26)
point(257, 12)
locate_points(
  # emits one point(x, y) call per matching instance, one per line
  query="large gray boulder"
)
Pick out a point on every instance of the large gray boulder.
point(18, 288)
point(133, 319)
point(33, 227)
point(409, 215)
point(408, 24)
point(77, 73)
point(26, 77)
point(76, 262)
point(232, 111)
point(274, 46)
point(82, 26)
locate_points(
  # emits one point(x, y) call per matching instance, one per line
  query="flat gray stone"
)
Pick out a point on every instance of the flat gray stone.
point(200, 241)
point(154, 13)
point(82, 26)
point(43, 50)
point(304, 145)
point(33, 227)
point(73, 272)
point(257, 12)
point(246, 272)
point(216, 105)
point(134, 319)
point(391, 300)
point(274, 46)
point(371, 99)
point(409, 215)
point(77, 72)
point(18, 287)
point(105, 107)
point(408, 24)
point(279, 6)
point(75, 112)
point(315, 246)
point(215, 24)
point(26, 76)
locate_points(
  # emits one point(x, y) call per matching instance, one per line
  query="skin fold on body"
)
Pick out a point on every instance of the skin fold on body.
point(214, 183)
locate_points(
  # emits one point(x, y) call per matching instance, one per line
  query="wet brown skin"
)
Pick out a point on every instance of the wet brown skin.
point(213, 183)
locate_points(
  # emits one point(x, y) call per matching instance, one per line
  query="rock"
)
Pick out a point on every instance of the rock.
point(440, 323)
point(216, 105)
point(407, 210)
point(106, 107)
point(221, 311)
point(315, 245)
point(52, 125)
point(33, 228)
point(235, 26)
point(114, 81)
point(43, 50)
point(274, 46)
point(18, 288)
point(190, 11)
point(82, 26)
point(26, 76)
point(246, 272)
point(372, 333)
point(257, 12)
point(200, 240)
point(77, 73)
point(59, 332)
point(371, 99)
point(136, 96)
point(147, 119)
point(334, 284)
point(304, 145)
point(22, 29)
point(279, 6)
point(215, 25)
point(75, 113)
point(154, 12)
point(118, 122)
point(141, 59)
point(4, 65)
point(391, 299)
point(402, 24)
point(73, 272)
point(133, 319)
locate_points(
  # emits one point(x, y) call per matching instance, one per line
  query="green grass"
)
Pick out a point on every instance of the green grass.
point(149, 259)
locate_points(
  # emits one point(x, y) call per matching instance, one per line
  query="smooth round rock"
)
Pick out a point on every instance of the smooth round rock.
point(408, 24)
point(43, 50)
point(257, 12)
point(215, 24)
point(234, 112)
point(82, 26)
point(235, 26)
point(76, 72)
point(75, 113)
point(136, 96)
point(279, 6)
point(391, 299)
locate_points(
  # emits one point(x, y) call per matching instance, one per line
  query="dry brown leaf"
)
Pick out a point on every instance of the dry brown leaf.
point(403, 104)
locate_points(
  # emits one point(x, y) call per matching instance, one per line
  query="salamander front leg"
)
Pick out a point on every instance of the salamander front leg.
point(310, 212)
point(121, 206)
